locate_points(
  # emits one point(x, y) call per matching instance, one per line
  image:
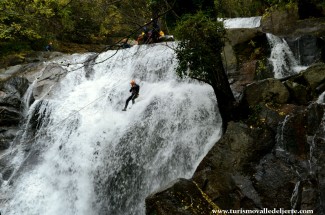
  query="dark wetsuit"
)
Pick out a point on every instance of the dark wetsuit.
point(155, 31)
point(49, 49)
point(135, 93)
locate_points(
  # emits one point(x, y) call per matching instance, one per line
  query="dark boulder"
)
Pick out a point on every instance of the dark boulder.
point(227, 166)
point(315, 75)
point(268, 90)
point(307, 48)
point(11, 108)
point(181, 197)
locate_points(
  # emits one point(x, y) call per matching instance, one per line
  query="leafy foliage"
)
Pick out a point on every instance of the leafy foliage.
point(241, 8)
point(199, 54)
point(244, 8)
point(201, 41)
point(80, 21)
point(106, 21)
point(20, 19)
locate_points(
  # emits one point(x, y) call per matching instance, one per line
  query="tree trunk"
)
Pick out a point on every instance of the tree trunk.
point(225, 97)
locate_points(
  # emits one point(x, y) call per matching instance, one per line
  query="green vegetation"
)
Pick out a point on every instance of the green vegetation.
point(35, 22)
point(260, 66)
point(241, 8)
point(31, 24)
point(254, 119)
point(200, 37)
point(199, 54)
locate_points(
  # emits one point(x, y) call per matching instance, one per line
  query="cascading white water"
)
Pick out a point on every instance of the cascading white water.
point(321, 98)
point(246, 22)
point(280, 138)
point(282, 58)
point(95, 159)
point(294, 197)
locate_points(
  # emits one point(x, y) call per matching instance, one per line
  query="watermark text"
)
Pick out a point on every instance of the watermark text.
point(262, 211)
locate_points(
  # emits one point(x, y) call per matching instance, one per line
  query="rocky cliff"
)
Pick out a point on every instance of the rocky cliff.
point(275, 158)
point(15, 100)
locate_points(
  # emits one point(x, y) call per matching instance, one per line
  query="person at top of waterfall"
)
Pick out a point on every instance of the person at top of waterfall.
point(49, 47)
point(135, 88)
point(155, 31)
point(144, 36)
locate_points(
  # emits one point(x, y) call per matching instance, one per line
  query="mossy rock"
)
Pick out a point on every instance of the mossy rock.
point(266, 91)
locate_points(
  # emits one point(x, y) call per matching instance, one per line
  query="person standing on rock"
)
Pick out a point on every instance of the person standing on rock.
point(49, 47)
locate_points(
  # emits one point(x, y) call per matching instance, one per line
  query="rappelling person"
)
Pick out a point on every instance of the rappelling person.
point(134, 94)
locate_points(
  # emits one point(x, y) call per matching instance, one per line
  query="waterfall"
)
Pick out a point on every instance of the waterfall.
point(321, 98)
point(89, 157)
point(280, 135)
point(246, 22)
point(27, 99)
point(295, 196)
point(282, 58)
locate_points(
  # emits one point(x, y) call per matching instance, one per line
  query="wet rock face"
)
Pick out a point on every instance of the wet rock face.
point(11, 111)
point(269, 90)
point(246, 60)
point(296, 162)
point(274, 160)
point(316, 187)
point(48, 80)
point(288, 23)
point(308, 85)
point(224, 172)
point(280, 22)
point(11, 107)
point(274, 182)
point(308, 49)
point(315, 76)
point(181, 197)
point(254, 167)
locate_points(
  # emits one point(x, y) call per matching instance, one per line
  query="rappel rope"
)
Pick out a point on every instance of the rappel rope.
point(100, 97)
point(39, 133)
point(55, 126)
point(77, 111)
point(82, 108)
point(128, 37)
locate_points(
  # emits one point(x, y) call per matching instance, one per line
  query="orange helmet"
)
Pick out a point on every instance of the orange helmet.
point(132, 82)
